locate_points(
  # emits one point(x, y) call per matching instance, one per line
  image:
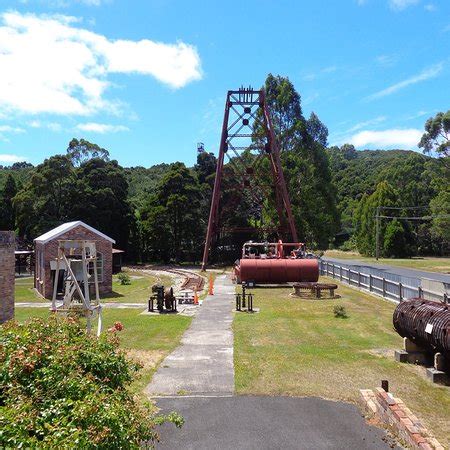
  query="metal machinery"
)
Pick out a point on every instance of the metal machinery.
point(264, 262)
point(78, 259)
point(426, 323)
point(248, 135)
point(164, 297)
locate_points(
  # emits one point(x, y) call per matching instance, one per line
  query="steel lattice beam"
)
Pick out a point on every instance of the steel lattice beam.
point(240, 118)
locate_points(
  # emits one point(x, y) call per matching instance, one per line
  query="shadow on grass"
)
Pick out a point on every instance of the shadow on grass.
point(112, 295)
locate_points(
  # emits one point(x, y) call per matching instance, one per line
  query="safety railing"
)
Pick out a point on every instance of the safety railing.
point(389, 289)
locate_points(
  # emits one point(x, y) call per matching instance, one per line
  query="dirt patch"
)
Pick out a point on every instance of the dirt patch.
point(148, 359)
point(381, 352)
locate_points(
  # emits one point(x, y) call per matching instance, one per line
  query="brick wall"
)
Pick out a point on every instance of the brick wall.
point(394, 413)
point(48, 252)
point(7, 275)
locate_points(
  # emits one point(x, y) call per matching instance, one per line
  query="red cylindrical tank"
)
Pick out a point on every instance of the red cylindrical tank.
point(278, 270)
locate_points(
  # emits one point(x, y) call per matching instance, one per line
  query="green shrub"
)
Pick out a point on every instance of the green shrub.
point(60, 388)
point(340, 311)
point(124, 278)
point(349, 245)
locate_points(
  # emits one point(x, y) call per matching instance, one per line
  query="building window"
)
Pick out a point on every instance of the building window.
point(99, 268)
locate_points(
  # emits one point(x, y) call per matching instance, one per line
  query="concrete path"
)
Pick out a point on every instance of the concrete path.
point(264, 423)
point(203, 363)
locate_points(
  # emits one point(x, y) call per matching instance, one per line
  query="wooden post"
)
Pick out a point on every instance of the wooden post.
point(359, 278)
point(370, 282)
point(377, 238)
point(400, 297)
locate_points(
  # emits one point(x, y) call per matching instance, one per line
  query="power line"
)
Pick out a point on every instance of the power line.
point(438, 216)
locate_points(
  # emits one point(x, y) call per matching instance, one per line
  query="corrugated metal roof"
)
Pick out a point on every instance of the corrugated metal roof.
point(61, 229)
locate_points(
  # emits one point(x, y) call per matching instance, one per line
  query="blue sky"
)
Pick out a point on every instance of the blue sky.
point(147, 79)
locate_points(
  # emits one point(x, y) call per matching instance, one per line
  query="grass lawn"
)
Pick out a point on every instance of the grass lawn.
point(147, 339)
point(432, 264)
point(137, 292)
point(24, 291)
point(297, 347)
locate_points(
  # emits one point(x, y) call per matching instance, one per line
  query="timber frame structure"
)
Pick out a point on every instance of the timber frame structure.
point(75, 257)
point(246, 110)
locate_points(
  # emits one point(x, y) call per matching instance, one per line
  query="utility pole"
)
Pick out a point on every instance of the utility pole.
point(377, 250)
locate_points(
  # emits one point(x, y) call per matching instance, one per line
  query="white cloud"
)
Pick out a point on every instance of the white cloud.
point(406, 138)
point(426, 74)
point(11, 159)
point(386, 60)
point(65, 3)
point(430, 7)
point(366, 123)
point(50, 65)
point(52, 126)
point(399, 5)
point(102, 128)
point(10, 129)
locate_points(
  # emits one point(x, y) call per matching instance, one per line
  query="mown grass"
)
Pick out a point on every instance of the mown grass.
point(432, 264)
point(297, 347)
point(147, 338)
point(24, 291)
point(138, 291)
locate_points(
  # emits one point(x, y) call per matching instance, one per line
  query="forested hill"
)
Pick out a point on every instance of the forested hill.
point(356, 173)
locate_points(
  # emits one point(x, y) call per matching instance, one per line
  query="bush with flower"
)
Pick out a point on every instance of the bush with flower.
point(61, 388)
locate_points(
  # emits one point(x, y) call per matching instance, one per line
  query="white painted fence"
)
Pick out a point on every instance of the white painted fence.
point(389, 289)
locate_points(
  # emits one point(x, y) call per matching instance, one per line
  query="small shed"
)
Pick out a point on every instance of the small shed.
point(46, 251)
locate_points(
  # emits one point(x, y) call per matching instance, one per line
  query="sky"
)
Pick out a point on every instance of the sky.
point(147, 79)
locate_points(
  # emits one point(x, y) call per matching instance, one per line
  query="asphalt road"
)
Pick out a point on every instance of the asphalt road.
point(403, 271)
point(246, 422)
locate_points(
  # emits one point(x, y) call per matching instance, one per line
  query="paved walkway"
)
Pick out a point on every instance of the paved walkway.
point(197, 380)
point(203, 363)
point(267, 423)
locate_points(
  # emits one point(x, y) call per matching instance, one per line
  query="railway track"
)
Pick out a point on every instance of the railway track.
point(191, 280)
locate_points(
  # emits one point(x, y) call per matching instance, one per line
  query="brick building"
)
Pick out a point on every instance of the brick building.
point(46, 251)
point(7, 245)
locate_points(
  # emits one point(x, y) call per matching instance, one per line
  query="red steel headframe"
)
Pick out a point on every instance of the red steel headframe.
point(242, 103)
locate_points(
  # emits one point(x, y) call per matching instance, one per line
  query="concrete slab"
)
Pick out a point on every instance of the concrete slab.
point(247, 422)
point(203, 363)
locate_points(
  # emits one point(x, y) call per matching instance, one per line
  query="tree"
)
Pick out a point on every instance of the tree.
point(305, 164)
point(205, 167)
point(394, 243)
point(45, 201)
point(95, 192)
point(101, 198)
point(171, 219)
point(437, 135)
point(364, 218)
point(7, 212)
point(80, 151)
point(317, 130)
point(440, 207)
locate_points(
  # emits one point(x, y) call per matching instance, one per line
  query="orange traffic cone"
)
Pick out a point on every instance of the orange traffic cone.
point(211, 285)
point(195, 297)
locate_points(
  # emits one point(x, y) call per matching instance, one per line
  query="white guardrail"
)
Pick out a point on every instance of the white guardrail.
point(391, 290)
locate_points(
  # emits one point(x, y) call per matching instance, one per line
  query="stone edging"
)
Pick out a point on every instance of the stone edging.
point(393, 412)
